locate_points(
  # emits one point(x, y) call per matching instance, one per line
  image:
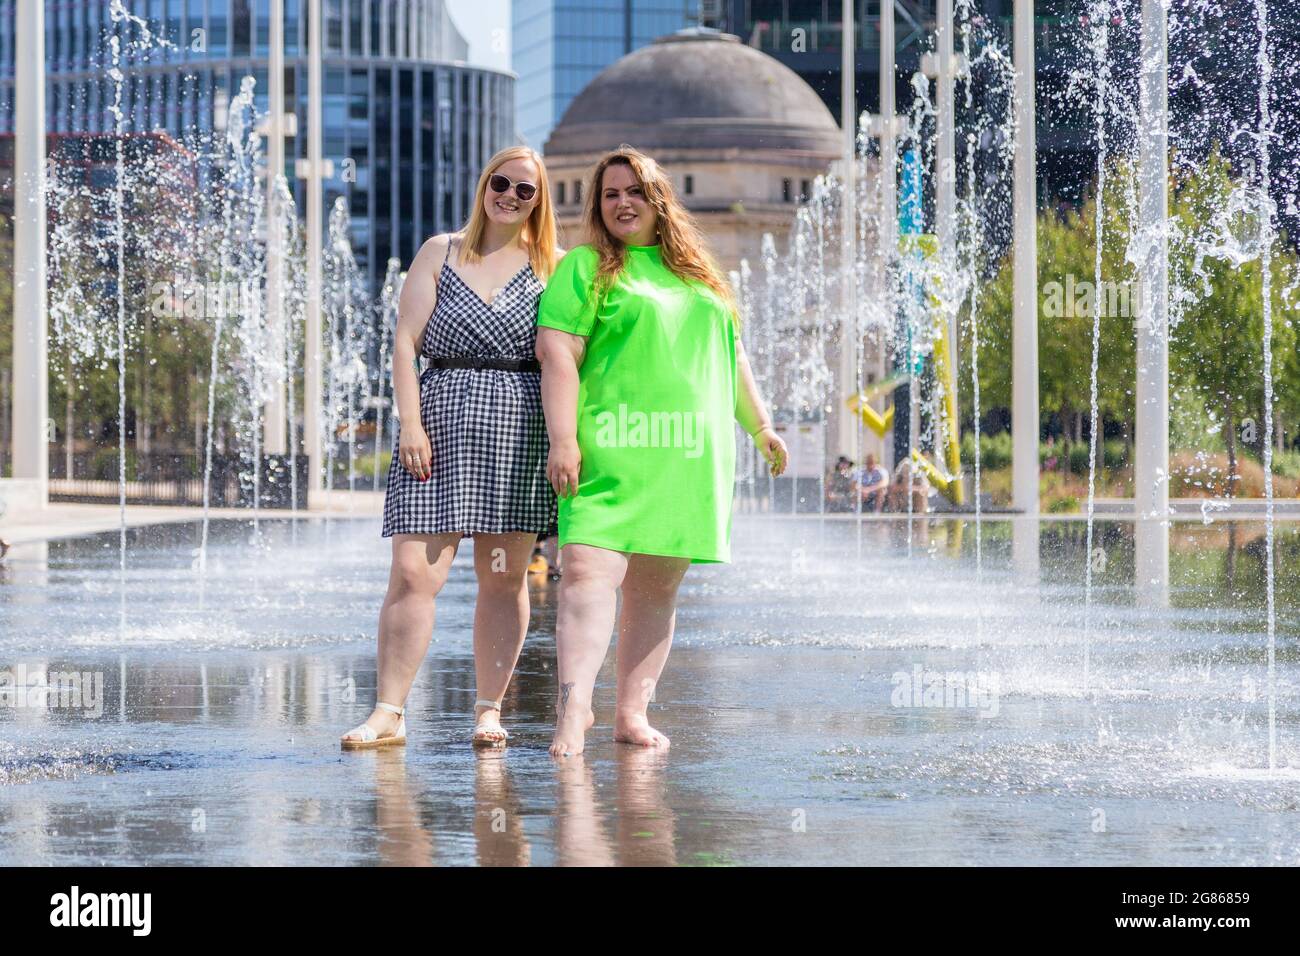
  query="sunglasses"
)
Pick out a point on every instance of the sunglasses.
point(500, 184)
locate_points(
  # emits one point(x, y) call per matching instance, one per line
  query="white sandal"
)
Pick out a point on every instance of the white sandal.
point(481, 741)
point(370, 737)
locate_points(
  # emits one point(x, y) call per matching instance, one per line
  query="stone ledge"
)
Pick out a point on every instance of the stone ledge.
point(21, 496)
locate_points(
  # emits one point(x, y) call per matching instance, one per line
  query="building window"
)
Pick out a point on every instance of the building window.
point(805, 189)
point(577, 190)
point(333, 16)
point(241, 28)
point(688, 184)
point(356, 28)
point(291, 17)
point(786, 186)
point(559, 193)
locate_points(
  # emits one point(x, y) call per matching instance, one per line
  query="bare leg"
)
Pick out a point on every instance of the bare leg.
point(419, 570)
point(645, 634)
point(500, 621)
point(583, 625)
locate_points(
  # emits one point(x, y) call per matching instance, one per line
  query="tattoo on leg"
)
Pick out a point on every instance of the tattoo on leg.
point(564, 697)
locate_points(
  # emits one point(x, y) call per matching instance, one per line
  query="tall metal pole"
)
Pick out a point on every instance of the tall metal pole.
point(850, 339)
point(1151, 437)
point(1024, 321)
point(275, 415)
point(945, 173)
point(30, 346)
point(312, 372)
point(945, 153)
point(1024, 335)
point(888, 190)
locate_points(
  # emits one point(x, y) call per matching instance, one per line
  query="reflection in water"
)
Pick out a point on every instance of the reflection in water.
point(581, 837)
point(498, 817)
point(646, 824)
point(637, 829)
point(217, 741)
point(1026, 534)
point(1151, 562)
point(403, 840)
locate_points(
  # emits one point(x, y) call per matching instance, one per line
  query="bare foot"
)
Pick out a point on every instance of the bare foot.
point(384, 723)
point(488, 731)
point(571, 731)
point(636, 729)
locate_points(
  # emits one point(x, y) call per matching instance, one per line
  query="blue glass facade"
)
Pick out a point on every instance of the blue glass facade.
point(560, 45)
point(407, 129)
point(806, 35)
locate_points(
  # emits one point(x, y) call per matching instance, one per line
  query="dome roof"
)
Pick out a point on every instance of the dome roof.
point(698, 89)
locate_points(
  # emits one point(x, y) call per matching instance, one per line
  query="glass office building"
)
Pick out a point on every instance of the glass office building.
point(407, 124)
point(806, 35)
point(558, 47)
point(1064, 126)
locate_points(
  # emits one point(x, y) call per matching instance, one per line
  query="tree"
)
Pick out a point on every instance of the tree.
point(1217, 316)
point(1216, 342)
point(1066, 278)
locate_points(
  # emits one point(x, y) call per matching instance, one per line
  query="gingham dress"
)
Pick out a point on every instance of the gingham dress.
point(485, 425)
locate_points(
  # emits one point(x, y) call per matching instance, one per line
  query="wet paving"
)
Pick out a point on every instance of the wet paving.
point(840, 694)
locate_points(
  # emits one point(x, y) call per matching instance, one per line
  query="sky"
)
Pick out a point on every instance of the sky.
point(486, 25)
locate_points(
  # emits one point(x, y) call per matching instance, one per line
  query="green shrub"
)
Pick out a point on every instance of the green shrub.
point(1286, 464)
point(366, 464)
point(1078, 457)
point(995, 453)
point(995, 450)
point(1062, 505)
point(103, 467)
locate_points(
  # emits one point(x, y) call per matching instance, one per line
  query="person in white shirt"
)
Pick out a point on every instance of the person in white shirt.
point(873, 484)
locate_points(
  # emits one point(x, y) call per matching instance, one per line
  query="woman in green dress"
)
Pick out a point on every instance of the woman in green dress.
point(643, 380)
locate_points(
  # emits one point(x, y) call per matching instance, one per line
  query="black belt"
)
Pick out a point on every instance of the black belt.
point(500, 364)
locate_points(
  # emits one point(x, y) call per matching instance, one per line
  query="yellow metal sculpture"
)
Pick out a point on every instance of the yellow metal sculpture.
point(948, 482)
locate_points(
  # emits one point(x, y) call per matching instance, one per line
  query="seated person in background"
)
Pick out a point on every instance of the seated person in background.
point(873, 485)
point(904, 476)
point(839, 486)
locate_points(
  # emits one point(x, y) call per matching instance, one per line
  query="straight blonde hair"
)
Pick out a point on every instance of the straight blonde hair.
point(539, 232)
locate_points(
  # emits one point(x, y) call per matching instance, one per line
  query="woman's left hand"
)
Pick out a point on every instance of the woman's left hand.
point(772, 449)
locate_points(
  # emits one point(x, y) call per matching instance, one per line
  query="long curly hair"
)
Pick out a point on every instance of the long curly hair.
point(682, 246)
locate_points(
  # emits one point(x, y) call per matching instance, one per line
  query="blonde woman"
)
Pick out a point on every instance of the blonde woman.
point(471, 448)
point(643, 380)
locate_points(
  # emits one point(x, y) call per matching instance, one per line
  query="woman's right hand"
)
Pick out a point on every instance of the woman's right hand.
point(416, 454)
point(563, 465)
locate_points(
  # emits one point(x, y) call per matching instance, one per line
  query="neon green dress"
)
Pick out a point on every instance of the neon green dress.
point(656, 408)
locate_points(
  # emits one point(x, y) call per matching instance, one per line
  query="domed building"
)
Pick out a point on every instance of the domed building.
point(741, 135)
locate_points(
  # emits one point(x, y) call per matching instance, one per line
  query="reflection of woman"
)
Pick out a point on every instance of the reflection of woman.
point(472, 446)
point(643, 378)
point(499, 835)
